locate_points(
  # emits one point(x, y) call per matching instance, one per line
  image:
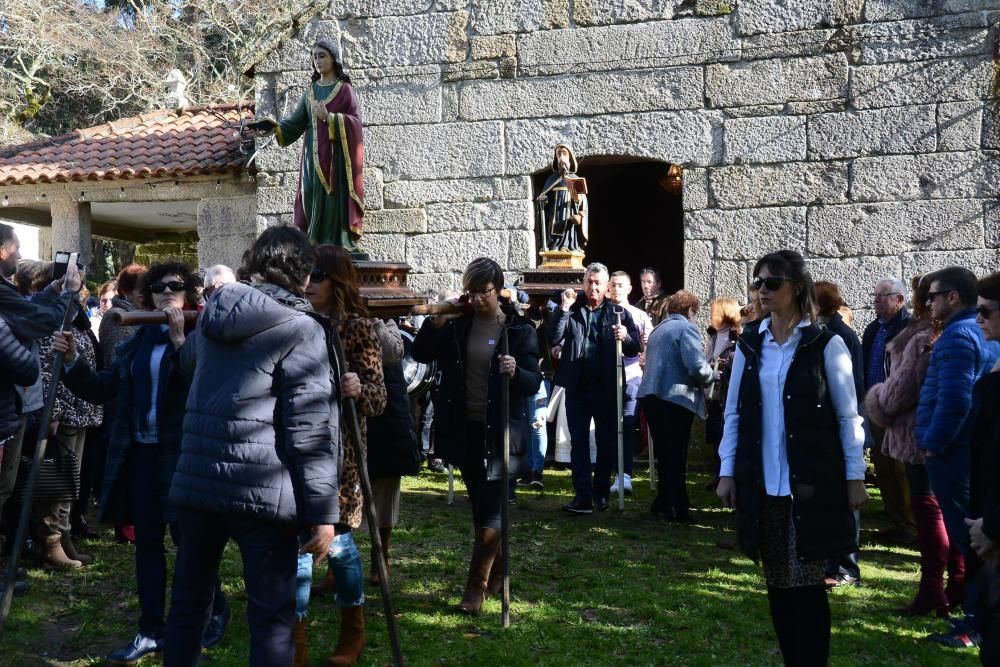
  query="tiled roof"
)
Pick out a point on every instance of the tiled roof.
point(170, 142)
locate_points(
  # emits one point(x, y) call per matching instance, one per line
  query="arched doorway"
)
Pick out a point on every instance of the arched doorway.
point(634, 221)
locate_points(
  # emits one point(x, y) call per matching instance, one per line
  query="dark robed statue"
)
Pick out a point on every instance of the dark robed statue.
point(562, 205)
point(329, 203)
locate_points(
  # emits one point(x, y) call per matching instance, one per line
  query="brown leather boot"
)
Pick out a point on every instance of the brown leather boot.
point(328, 585)
point(301, 644)
point(483, 552)
point(385, 534)
point(70, 549)
point(352, 637)
point(54, 555)
point(495, 582)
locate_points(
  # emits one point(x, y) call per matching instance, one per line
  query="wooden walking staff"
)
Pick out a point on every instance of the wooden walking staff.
point(29, 492)
point(354, 427)
point(505, 483)
point(619, 366)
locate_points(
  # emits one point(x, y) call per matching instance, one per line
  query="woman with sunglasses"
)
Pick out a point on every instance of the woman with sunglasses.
point(150, 393)
point(792, 461)
point(333, 291)
point(467, 346)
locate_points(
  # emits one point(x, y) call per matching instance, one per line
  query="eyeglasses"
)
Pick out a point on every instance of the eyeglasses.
point(317, 275)
point(985, 311)
point(173, 286)
point(883, 295)
point(932, 295)
point(773, 283)
point(484, 294)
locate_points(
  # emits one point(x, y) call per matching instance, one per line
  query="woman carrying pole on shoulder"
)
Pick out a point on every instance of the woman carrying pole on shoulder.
point(150, 394)
point(468, 420)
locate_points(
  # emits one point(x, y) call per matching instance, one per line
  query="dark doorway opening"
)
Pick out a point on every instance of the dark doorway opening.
point(634, 221)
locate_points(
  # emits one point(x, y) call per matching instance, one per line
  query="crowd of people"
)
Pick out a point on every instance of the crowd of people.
point(226, 421)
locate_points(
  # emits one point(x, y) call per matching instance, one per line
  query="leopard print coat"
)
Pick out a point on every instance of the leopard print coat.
point(364, 357)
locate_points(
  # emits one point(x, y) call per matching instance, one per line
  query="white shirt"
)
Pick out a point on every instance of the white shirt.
point(644, 325)
point(775, 360)
point(152, 435)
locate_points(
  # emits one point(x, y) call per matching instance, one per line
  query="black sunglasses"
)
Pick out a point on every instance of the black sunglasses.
point(773, 283)
point(173, 286)
point(317, 275)
point(933, 295)
point(985, 311)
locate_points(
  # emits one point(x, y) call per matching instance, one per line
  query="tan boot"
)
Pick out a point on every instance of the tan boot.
point(385, 534)
point(70, 549)
point(301, 645)
point(328, 585)
point(483, 552)
point(495, 582)
point(54, 556)
point(352, 637)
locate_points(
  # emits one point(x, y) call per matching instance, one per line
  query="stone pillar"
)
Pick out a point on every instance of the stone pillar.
point(71, 228)
point(226, 228)
point(45, 242)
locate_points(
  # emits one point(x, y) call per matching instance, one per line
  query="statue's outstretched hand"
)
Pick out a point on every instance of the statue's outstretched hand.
point(262, 126)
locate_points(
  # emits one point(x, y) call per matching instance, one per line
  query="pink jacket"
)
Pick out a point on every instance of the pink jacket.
point(893, 404)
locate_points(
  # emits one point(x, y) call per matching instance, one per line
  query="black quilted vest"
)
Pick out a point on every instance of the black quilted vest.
point(824, 523)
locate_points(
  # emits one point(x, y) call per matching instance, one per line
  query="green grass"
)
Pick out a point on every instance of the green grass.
point(608, 589)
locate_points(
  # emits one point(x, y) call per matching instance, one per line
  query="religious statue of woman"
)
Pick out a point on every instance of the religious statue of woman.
point(329, 203)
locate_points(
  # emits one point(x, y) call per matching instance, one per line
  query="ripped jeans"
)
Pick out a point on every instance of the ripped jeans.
point(345, 563)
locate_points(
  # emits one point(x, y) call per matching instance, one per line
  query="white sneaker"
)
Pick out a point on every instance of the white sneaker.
point(614, 487)
point(628, 484)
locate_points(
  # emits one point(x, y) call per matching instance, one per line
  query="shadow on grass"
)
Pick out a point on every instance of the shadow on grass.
point(605, 589)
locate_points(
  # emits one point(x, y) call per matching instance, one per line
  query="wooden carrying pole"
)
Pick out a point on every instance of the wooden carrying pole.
point(354, 428)
point(139, 317)
point(505, 484)
point(619, 388)
point(40, 444)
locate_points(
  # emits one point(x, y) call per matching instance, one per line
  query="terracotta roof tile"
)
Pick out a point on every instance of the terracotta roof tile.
point(182, 142)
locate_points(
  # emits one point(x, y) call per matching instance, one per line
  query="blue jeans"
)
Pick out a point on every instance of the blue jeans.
point(537, 412)
point(949, 474)
point(345, 562)
point(582, 405)
point(629, 405)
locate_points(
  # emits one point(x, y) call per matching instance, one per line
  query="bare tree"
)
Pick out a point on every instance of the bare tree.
point(66, 64)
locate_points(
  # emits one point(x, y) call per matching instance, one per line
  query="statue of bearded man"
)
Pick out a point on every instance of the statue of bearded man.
point(562, 204)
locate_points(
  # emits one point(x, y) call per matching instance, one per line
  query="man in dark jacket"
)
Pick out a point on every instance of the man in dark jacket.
point(18, 367)
point(587, 330)
point(28, 320)
point(960, 356)
point(889, 299)
point(259, 453)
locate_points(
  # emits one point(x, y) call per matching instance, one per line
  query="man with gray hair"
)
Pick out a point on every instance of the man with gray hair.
point(889, 301)
point(587, 328)
point(215, 277)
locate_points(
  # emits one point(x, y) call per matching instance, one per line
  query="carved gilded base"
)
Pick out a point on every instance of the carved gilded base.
point(562, 259)
point(384, 289)
point(542, 283)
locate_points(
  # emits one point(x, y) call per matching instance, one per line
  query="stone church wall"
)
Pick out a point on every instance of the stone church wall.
point(860, 132)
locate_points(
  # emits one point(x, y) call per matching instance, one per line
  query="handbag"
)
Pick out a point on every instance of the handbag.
point(58, 476)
